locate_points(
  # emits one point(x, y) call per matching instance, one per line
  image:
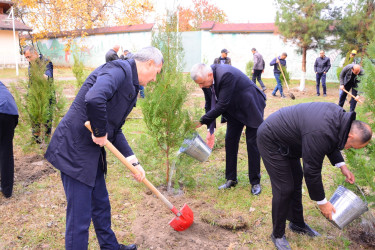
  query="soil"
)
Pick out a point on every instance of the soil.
point(153, 231)
point(30, 168)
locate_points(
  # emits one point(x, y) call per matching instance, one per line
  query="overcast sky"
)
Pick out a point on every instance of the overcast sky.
point(238, 11)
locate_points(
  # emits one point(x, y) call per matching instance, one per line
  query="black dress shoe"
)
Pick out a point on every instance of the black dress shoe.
point(280, 243)
point(305, 230)
point(128, 247)
point(256, 189)
point(228, 184)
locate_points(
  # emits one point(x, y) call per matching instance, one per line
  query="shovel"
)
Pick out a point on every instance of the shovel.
point(286, 83)
point(184, 218)
point(351, 95)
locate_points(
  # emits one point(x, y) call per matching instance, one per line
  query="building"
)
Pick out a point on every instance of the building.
point(7, 48)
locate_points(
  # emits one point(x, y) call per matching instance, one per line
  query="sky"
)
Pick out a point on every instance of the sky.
point(238, 11)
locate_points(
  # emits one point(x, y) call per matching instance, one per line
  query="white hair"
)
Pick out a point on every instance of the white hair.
point(148, 53)
point(200, 70)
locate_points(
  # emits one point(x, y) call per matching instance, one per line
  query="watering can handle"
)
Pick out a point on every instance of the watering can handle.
point(360, 190)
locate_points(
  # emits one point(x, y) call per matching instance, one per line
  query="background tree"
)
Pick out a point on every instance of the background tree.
point(166, 118)
point(56, 16)
point(355, 27)
point(304, 23)
point(190, 19)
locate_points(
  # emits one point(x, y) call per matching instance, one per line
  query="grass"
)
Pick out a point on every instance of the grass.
point(35, 216)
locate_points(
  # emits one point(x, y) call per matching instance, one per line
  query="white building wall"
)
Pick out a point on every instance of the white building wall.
point(7, 48)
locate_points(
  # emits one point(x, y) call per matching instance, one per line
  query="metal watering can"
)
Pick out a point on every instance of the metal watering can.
point(348, 206)
point(196, 148)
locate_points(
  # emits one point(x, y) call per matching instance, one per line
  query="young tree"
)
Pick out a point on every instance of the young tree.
point(191, 18)
point(303, 23)
point(166, 118)
point(363, 161)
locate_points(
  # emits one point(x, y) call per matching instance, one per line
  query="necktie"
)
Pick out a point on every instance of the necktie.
point(213, 103)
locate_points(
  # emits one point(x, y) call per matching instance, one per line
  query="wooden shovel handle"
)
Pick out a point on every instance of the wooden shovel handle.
point(122, 158)
point(351, 95)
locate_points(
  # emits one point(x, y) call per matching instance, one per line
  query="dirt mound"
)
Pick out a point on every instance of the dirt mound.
point(29, 168)
point(153, 232)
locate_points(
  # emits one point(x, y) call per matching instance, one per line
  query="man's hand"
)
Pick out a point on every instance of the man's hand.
point(349, 175)
point(262, 71)
point(341, 87)
point(324, 72)
point(141, 173)
point(277, 60)
point(252, 71)
point(357, 98)
point(210, 140)
point(101, 141)
point(327, 209)
point(198, 125)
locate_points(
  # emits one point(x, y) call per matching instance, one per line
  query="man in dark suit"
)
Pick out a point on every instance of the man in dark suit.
point(230, 93)
point(309, 131)
point(111, 55)
point(8, 123)
point(105, 99)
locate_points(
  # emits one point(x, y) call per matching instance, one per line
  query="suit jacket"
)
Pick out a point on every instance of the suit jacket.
point(111, 56)
point(7, 103)
point(346, 75)
point(105, 99)
point(258, 61)
point(227, 60)
point(237, 97)
point(311, 131)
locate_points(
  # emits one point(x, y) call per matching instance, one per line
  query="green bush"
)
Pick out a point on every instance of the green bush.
point(249, 68)
point(78, 71)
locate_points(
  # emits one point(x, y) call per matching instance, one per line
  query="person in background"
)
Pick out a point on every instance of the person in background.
point(223, 59)
point(321, 66)
point(307, 131)
point(8, 123)
point(258, 68)
point(112, 54)
point(349, 80)
point(276, 71)
point(231, 93)
point(126, 54)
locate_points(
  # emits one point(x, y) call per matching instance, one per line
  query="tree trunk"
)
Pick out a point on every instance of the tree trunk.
point(167, 153)
point(302, 82)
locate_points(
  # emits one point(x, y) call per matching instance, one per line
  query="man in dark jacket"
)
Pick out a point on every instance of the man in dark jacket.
point(112, 54)
point(321, 66)
point(276, 71)
point(105, 99)
point(230, 93)
point(309, 131)
point(8, 123)
point(349, 80)
point(258, 68)
point(39, 60)
point(223, 59)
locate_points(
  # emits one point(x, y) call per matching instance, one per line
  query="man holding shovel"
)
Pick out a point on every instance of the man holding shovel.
point(309, 131)
point(276, 63)
point(349, 80)
point(105, 99)
point(230, 93)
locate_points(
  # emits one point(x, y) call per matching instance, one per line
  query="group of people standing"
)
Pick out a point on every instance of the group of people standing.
point(308, 131)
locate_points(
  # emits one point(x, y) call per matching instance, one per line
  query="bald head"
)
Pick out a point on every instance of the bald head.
point(116, 48)
point(360, 135)
point(356, 69)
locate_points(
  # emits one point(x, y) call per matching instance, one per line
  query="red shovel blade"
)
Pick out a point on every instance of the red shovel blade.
point(183, 219)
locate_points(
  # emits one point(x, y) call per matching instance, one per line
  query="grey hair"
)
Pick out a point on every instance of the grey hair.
point(200, 70)
point(148, 53)
point(29, 48)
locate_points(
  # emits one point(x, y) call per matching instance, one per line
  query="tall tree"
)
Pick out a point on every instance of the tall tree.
point(202, 10)
point(355, 27)
point(304, 23)
point(56, 16)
